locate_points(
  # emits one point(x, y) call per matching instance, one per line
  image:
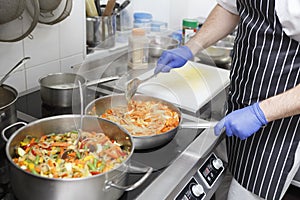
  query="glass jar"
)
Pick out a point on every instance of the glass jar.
point(138, 49)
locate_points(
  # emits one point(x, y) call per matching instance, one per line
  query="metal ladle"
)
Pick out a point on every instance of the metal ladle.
point(79, 130)
point(14, 68)
point(133, 85)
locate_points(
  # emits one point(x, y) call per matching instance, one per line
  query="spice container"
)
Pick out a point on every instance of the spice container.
point(189, 29)
point(138, 49)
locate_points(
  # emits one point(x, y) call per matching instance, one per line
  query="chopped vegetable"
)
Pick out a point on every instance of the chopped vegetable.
point(142, 118)
point(43, 156)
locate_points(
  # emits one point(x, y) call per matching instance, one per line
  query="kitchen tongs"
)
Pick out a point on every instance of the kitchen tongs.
point(133, 85)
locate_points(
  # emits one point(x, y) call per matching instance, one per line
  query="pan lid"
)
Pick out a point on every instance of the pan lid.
point(18, 18)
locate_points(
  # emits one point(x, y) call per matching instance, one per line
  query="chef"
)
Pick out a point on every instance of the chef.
point(263, 107)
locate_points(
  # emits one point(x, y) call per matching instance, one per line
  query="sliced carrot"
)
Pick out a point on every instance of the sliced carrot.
point(60, 144)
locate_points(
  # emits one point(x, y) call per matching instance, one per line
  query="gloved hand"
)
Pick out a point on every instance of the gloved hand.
point(243, 122)
point(173, 58)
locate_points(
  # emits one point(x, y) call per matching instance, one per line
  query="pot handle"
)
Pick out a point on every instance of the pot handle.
point(195, 125)
point(113, 184)
point(10, 126)
point(102, 80)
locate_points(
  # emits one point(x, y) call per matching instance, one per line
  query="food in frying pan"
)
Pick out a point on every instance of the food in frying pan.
point(142, 118)
point(94, 154)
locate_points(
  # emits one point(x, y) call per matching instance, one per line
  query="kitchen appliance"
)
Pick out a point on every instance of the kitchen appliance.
point(176, 165)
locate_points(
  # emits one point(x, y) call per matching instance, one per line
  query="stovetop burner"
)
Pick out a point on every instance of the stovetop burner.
point(159, 158)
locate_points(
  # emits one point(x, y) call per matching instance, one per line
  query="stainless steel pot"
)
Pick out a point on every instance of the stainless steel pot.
point(101, 31)
point(61, 89)
point(8, 113)
point(109, 185)
point(219, 53)
point(144, 142)
point(158, 44)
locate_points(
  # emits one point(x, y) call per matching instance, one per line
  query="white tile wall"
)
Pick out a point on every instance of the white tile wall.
point(71, 64)
point(72, 31)
point(173, 11)
point(44, 47)
point(18, 80)
point(10, 54)
point(34, 73)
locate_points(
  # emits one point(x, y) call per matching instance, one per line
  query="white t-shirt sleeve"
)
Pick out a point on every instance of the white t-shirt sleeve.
point(229, 5)
point(288, 12)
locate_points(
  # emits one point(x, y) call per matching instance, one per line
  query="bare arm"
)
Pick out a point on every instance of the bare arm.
point(283, 105)
point(218, 24)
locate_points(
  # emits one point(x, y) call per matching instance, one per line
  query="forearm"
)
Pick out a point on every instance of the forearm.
point(218, 24)
point(283, 105)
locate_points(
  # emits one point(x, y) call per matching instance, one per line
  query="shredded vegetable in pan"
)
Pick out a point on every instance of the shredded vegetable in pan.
point(143, 118)
point(56, 156)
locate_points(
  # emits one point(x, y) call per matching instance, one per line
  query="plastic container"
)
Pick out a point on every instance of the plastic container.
point(142, 20)
point(177, 35)
point(138, 49)
point(189, 29)
point(158, 26)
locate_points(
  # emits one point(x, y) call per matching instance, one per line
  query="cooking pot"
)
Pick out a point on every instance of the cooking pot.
point(61, 89)
point(144, 142)
point(108, 185)
point(8, 113)
point(157, 44)
point(9, 96)
point(218, 53)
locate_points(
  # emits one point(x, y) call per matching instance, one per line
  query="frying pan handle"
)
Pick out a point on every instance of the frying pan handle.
point(195, 125)
point(114, 184)
point(10, 126)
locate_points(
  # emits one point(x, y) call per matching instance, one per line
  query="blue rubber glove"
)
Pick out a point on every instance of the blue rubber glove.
point(173, 58)
point(243, 122)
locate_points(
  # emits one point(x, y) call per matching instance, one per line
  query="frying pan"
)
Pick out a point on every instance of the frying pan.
point(143, 142)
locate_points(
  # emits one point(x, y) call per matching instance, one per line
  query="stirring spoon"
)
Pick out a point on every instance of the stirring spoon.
point(81, 112)
point(133, 85)
point(79, 130)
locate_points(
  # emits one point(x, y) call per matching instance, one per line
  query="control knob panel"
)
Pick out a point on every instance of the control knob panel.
point(211, 170)
point(192, 191)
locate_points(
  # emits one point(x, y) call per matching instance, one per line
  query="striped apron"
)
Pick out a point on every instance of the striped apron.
point(266, 62)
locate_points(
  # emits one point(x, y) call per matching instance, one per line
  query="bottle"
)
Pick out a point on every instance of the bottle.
point(138, 49)
point(189, 29)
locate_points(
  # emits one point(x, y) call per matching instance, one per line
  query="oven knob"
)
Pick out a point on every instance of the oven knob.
point(217, 163)
point(197, 190)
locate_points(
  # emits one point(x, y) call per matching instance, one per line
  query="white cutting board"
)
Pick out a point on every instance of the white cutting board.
point(189, 87)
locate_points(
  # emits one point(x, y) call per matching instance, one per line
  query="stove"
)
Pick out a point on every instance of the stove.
point(188, 167)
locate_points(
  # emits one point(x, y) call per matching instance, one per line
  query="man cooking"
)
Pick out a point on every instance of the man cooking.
point(263, 106)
